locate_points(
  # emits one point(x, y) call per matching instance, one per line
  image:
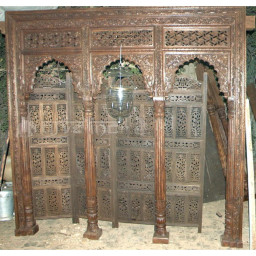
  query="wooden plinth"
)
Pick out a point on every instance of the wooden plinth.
point(93, 235)
point(161, 239)
point(231, 243)
point(27, 231)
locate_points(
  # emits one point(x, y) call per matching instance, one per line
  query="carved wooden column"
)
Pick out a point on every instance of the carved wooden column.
point(231, 236)
point(160, 234)
point(28, 226)
point(93, 231)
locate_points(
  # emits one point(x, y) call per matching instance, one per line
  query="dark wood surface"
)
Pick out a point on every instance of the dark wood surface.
point(159, 40)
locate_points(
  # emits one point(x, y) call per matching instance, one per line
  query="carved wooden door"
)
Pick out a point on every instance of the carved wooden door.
point(125, 157)
point(185, 131)
point(52, 146)
point(125, 161)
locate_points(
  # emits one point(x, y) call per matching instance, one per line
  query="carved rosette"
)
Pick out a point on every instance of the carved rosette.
point(100, 62)
point(220, 61)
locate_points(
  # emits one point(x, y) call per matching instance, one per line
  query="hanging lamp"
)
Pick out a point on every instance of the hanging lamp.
point(119, 97)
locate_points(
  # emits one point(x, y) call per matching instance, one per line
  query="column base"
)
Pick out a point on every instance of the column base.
point(230, 243)
point(161, 239)
point(93, 234)
point(75, 220)
point(27, 231)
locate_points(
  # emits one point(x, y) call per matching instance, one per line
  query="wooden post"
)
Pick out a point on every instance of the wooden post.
point(250, 171)
point(93, 231)
point(29, 226)
point(161, 235)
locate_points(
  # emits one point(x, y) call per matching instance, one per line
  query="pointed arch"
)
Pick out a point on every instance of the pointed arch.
point(220, 62)
point(144, 61)
point(33, 63)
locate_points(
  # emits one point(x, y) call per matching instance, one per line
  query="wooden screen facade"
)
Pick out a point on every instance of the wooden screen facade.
point(157, 39)
point(125, 157)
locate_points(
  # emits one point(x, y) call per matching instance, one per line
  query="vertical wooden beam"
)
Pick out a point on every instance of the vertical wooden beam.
point(231, 236)
point(161, 235)
point(93, 231)
point(29, 226)
point(72, 149)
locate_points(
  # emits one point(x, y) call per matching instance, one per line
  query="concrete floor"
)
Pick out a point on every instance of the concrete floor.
point(61, 234)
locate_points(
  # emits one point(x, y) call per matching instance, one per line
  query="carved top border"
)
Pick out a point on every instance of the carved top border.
point(124, 12)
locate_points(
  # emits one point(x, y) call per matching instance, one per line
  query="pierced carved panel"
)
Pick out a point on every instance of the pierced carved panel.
point(36, 162)
point(104, 200)
point(48, 124)
point(181, 167)
point(181, 126)
point(125, 37)
point(47, 96)
point(196, 38)
point(53, 206)
point(34, 119)
point(52, 39)
point(64, 161)
point(66, 201)
point(39, 203)
point(196, 122)
point(50, 168)
point(62, 118)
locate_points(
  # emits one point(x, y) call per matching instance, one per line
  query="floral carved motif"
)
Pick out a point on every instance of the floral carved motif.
point(49, 39)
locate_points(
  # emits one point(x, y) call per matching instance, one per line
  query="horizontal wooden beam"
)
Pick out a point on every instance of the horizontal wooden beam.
point(250, 23)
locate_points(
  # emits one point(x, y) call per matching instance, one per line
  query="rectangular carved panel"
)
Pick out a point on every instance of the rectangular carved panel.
point(127, 37)
point(52, 39)
point(194, 37)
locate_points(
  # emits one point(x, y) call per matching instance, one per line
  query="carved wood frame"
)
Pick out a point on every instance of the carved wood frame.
point(161, 60)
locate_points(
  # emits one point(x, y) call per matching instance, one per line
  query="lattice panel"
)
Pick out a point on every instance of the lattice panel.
point(196, 38)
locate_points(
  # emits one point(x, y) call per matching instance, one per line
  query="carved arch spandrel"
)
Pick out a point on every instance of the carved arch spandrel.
point(32, 63)
point(220, 61)
point(145, 62)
